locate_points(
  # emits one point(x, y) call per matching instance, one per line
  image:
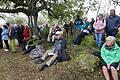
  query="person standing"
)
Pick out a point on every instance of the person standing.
point(78, 23)
point(112, 24)
point(66, 27)
point(92, 23)
point(99, 27)
point(12, 36)
point(26, 36)
point(5, 37)
point(19, 35)
point(1, 43)
point(72, 28)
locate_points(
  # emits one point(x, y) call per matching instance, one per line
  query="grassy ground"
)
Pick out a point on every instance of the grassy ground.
point(15, 66)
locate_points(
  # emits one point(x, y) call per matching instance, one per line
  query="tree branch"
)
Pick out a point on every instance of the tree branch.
point(13, 10)
point(117, 2)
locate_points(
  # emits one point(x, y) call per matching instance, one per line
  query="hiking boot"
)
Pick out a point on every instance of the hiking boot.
point(38, 61)
point(6, 50)
point(42, 66)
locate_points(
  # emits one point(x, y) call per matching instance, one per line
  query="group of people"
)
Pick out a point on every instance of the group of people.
point(109, 54)
point(109, 50)
point(9, 33)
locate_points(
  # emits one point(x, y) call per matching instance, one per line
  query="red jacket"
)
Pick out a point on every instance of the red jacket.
point(26, 33)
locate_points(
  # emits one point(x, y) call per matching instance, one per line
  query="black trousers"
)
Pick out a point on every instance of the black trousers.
point(30, 48)
point(79, 38)
point(7, 44)
point(20, 41)
point(1, 43)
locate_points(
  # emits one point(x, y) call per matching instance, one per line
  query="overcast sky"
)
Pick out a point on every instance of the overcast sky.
point(104, 8)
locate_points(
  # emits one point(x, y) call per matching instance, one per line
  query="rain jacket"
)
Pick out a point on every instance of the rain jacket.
point(110, 55)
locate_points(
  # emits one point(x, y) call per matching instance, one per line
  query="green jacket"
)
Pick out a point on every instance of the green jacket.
point(110, 55)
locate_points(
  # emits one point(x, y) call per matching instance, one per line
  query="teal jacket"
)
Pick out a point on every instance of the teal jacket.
point(110, 55)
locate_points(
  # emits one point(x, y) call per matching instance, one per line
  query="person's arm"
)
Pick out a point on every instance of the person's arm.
point(95, 26)
point(4, 32)
point(103, 26)
point(117, 57)
point(118, 22)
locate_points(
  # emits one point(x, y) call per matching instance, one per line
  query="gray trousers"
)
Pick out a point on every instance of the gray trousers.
point(52, 59)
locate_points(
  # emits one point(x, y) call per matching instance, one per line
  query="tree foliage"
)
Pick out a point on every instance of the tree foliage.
point(16, 20)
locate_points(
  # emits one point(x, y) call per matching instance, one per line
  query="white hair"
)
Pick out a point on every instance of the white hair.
point(111, 38)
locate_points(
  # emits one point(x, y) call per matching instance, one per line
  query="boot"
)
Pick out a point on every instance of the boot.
point(42, 66)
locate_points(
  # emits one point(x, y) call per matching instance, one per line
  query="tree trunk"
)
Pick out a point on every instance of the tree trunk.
point(32, 21)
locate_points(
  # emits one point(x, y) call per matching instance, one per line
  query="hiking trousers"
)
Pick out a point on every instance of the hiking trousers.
point(12, 45)
point(52, 59)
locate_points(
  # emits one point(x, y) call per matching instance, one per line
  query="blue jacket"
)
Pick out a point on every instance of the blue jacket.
point(112, 22)
point(5, 34)
point(78, 24)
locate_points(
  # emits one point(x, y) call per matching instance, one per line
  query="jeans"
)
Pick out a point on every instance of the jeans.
point(98, 37)
point(7, 44)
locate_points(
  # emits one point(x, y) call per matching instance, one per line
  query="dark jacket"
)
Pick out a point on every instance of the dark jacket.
point(12, 34)
point(19, 32)
point(112, 22)
point(60, 47)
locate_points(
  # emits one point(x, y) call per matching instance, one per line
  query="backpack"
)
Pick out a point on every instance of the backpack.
point(37, 52)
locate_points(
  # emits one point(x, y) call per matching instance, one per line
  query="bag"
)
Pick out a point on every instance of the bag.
point(37, 52)
point(63, 56)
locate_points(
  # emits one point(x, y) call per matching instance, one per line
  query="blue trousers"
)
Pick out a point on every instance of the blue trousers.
point(98, 37)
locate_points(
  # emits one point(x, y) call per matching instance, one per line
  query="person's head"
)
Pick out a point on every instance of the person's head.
point(65, 22)
point(100, 16)
point(7, 24)
point(58, 35)
point(26, 26)
point(5, 27)
point(78, 16)
point(110, 40)
point(92, 19)
point(112, 12)
point(85, 19)
point(11, 27)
